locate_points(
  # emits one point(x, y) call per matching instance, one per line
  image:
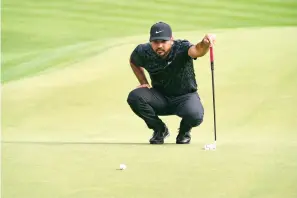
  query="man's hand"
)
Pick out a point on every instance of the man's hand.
point(209, 40)
point(201, 48)
point(144, 85)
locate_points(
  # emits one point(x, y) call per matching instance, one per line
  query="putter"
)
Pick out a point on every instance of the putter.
point(212, 146)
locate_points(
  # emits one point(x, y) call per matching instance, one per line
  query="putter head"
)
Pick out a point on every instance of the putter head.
point(210, 147)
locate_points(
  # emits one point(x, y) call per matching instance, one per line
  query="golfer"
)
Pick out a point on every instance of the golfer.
point(173, 89)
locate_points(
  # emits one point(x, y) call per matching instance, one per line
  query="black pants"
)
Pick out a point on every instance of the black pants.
point(149, 103)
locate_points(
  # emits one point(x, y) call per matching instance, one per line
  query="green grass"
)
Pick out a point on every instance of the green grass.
point(66, 126)
point(39, 28)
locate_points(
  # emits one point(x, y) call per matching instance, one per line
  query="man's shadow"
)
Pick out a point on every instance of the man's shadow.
point(26, 142)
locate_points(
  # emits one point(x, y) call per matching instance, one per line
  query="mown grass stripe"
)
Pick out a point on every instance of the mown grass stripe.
point(117, 13)
point(147, 13)
point(65, 24)
point(244, 6)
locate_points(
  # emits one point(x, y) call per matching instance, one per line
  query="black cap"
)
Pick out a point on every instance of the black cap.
point(160, 31)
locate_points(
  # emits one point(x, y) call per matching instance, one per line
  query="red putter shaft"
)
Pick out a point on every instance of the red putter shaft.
point(211, 58)
point(211, 54)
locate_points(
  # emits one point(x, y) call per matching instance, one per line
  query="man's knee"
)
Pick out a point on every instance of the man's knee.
point(194, 118)
point(197, 119)
point(136, 96)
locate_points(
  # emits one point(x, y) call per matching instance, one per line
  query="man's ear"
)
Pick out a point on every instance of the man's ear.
point(172, 40)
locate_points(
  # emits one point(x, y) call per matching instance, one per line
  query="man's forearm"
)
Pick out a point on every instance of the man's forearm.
point(201, 49)
point(139, 73)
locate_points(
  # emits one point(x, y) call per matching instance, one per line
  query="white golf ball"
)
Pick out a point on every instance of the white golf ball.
point(210, 147)
point(123, 166)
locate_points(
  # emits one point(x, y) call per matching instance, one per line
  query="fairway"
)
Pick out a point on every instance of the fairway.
point(66, 125)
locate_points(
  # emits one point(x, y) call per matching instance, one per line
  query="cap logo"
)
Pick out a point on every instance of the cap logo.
point(157, 32)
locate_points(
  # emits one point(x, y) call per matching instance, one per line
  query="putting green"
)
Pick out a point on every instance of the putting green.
point(66, 131)
point(40, 35)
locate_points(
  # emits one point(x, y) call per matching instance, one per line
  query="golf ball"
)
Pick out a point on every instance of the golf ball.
point(210, 147)
point(123, 166)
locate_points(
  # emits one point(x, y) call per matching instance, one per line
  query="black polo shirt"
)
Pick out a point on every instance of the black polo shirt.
point(173, 75)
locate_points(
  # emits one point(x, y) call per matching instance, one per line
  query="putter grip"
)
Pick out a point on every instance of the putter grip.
point(211, 58)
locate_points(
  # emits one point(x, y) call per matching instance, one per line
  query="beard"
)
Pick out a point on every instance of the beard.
point(161, 52)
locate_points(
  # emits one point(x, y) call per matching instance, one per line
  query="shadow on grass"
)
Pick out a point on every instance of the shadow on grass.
point(78, 143)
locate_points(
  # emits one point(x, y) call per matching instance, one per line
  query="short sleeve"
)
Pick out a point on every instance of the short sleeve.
point(185, 46)
point(135, 57)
